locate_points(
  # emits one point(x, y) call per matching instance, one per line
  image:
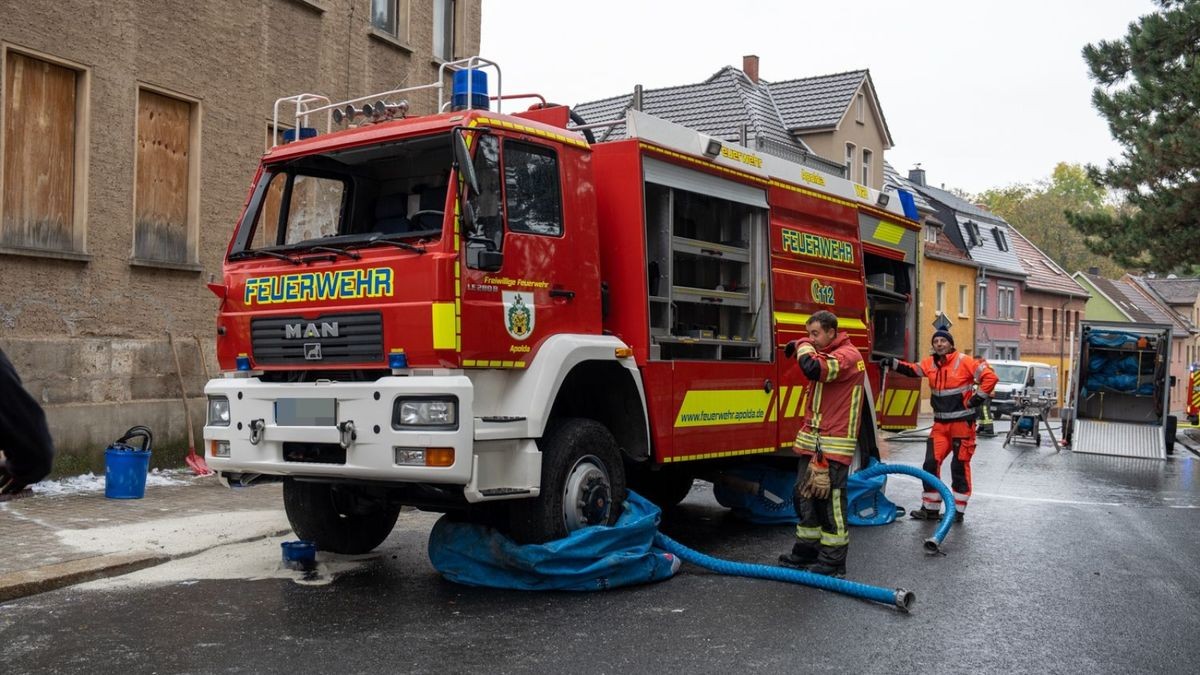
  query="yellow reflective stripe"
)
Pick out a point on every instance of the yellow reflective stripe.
point(793, 319)
point(829, 441)
point(855, 404)
point(811, 533)
point(778, 404)
point(806, 349)
point(832, 367)
point(720, 453)
point(841, 535)
point(889, 232)
point(818, 388)
point(794, 401)
point(803, 403)
point(444, 336)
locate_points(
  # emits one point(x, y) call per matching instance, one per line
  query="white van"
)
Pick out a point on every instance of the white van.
point(1022, 377)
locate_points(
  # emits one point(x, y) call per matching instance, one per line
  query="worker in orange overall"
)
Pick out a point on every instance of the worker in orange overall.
point(959, 385)
point(825, 443)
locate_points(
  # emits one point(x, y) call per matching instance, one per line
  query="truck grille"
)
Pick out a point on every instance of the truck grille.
point(332, 338)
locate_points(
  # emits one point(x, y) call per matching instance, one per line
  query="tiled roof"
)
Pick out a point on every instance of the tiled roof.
point(986, 250)
point(1115, 292)
point(1153, 305)
point(1182, 291)
point(817, 102)
point(1044, 274)
point(719, 106)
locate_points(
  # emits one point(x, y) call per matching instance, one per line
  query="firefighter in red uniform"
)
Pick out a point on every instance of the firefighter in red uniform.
point(959, 384)
point(825, 443)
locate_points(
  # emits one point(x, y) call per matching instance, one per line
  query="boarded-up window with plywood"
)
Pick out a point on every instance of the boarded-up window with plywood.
point(39, 154)
point(163, 178)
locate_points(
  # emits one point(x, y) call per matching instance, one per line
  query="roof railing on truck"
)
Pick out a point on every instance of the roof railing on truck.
point(307, 109)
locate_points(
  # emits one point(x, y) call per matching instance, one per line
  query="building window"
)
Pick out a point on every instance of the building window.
point(444, 20)
point(1001, 239)
point(1004, 302)
point(45, 154)
point(1041, 329)
point(962, 300)
point(981, 302)
point(391, 17)
point(1029, 321)
point(1054, 323)
point(973, 238)
point(866, 167)
point(931, 232)
point(850, 152)
point(860, 108)
point(941, 297)
point(166, 176)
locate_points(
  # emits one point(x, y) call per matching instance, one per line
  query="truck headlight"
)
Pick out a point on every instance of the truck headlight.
point(430, 412)
point(218, 411)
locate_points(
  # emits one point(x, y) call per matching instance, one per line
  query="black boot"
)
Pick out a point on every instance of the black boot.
point(800, 556)
point(835, 571)
point(924, 514)
point(958, 516)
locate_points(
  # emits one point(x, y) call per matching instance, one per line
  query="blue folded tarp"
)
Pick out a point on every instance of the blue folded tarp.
point(750, 497)
point(590, 559)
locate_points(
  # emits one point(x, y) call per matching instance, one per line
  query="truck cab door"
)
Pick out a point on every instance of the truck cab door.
point(525, 273)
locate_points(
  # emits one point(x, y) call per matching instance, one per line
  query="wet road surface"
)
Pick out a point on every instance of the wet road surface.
point(1067, 563)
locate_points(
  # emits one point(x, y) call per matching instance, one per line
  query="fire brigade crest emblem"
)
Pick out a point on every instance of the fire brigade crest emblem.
point(518, 316)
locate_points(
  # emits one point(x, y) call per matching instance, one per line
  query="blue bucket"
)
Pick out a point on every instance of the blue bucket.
point(298, 555)
point(125, 467)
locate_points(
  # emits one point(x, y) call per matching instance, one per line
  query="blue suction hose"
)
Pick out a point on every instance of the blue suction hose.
point(934, 543)
point(899, 597)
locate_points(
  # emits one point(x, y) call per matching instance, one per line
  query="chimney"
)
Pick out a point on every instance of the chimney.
point(750, 67)
point(917, 175)
point(1094, 271)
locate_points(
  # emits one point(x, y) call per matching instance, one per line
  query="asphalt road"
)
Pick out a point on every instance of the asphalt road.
point(1067, 563)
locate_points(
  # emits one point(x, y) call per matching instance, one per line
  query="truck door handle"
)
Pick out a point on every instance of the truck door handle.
point(562, 293)
point(767, 386)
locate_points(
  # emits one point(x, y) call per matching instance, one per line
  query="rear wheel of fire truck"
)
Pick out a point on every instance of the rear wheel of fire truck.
point(338, 518)
point(1171, 430)
point(583, 483)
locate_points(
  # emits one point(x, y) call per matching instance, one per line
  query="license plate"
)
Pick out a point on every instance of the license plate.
point(306, 412)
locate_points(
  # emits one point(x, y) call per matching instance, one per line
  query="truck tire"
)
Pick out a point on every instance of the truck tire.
point(665, 488)
point(583, 483)
point(330, 516)
point(1171, 429)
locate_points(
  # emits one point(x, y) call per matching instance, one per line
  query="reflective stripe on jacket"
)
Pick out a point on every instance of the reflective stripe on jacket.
point(835, 398)
point(953, 383)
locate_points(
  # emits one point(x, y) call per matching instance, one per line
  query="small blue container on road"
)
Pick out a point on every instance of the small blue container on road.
point(299, 555)
point(126, 466)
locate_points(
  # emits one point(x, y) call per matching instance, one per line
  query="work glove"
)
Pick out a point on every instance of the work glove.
point(816, 481)
point(976, 400)
point(789, 350)
point(888, 362)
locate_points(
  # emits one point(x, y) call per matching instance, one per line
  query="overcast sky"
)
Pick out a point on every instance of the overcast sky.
point(982, 94)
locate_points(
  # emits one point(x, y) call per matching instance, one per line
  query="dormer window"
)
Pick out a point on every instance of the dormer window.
point(931, 233)
point(973, 236)
point(1001, 239)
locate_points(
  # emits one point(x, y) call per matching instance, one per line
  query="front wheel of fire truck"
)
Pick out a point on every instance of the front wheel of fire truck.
point(338, 518)
point(583, 483)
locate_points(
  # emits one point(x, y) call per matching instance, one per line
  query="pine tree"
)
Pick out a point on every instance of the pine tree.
point(1149, 91)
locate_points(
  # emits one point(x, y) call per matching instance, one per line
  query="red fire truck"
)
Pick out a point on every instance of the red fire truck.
point(491, 313)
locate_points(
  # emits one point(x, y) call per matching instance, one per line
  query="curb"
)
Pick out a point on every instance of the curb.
point(51, 577)
point(24, 583)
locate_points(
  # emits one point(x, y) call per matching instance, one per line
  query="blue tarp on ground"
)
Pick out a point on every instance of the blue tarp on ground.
point(749, 497)
point(591, 559)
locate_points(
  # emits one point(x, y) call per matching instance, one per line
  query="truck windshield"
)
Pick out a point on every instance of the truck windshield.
point(350, 198)
point(1010, 374)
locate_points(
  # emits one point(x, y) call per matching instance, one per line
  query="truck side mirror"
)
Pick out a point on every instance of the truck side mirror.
point(481, 257)
point(462, 161)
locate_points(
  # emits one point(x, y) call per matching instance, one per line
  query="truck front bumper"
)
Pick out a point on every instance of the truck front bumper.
point(259, 444)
